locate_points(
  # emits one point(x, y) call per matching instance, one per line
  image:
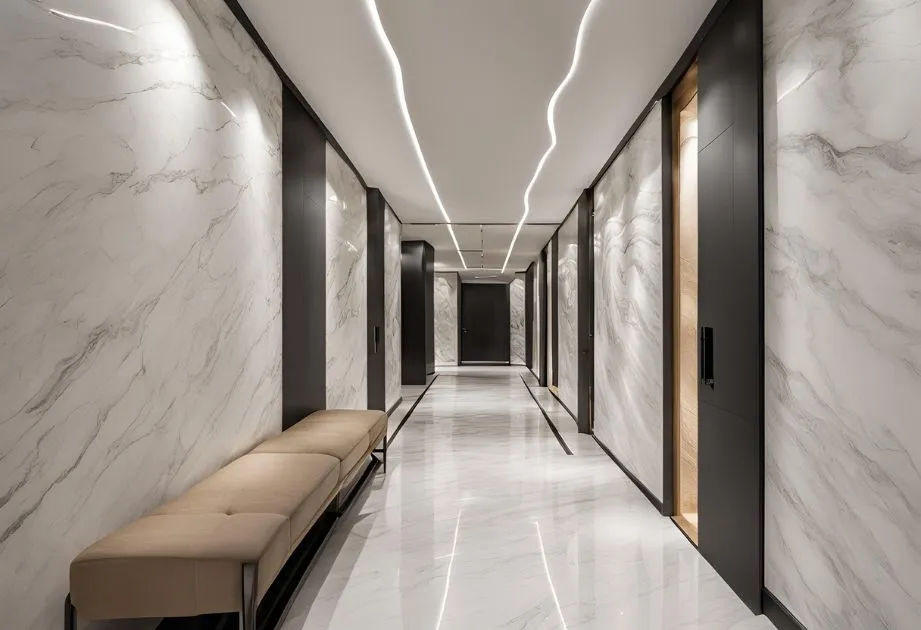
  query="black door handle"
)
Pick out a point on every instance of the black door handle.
point(706, 356)
point(377, 338)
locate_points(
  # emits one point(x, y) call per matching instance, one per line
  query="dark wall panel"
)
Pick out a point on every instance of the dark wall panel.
point(418, 305)
point(485, 319)
point(529, 279)
point(555, 306)
point(542, 340)
point(586, 280)
point(377, 385)
point(731, 451)
point(304, 263)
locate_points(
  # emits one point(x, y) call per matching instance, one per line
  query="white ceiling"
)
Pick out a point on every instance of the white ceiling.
point(478, 76)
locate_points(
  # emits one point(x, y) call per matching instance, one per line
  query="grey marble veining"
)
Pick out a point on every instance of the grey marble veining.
point(516, 319)
point(568, 312)
point(393, 314)
point(140, 271)
point(843, 314)
point(446, 287)
point(346, 286)
point(628, 305)
point(483, 522)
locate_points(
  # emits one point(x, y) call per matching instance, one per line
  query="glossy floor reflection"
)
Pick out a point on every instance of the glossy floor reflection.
point(483, 522)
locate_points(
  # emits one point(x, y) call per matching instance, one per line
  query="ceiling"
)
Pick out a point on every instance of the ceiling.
point(478, 76)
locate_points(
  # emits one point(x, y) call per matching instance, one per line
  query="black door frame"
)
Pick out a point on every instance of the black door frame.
point(460, 325)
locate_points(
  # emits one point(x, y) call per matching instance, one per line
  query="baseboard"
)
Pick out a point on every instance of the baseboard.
point(779, 614)
point(394, 407)
point(639, 484)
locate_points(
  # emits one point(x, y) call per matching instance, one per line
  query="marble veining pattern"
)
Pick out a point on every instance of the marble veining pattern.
point(446, 318)
point(346, 286)
point(516, 319)
point(393, 314)
point(843, 311)
point(568, 312)
point(140, 272)
point(483, 522)
point(628, 305)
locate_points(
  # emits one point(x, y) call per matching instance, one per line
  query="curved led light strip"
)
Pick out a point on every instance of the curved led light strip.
point(551, 124)
point(401, 93)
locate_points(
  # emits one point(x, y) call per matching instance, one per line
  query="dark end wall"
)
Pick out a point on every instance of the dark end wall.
point(304, 263)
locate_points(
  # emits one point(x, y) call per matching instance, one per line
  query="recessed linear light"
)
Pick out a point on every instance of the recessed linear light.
point(551, 123)
point(89, 20)
point(401, 93)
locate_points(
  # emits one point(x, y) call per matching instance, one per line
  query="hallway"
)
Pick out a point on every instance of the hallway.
point(483, 521)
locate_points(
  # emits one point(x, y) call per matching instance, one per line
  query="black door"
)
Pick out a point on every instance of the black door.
point(485, 323)
point(731, 415)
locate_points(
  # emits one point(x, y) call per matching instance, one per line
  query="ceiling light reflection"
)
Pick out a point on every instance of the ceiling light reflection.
point(89, 20)
point(543, 555)
point(401, 93)
point(551, 123)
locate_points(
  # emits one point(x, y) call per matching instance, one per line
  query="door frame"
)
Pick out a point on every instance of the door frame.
point(460, 325)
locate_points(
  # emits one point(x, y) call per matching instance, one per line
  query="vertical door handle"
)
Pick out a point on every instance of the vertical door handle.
point(377, 338)
point(706, 356)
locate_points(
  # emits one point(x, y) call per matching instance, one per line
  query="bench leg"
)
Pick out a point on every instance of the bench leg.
point(248, 613)
point(383, 455)
point(70, 614)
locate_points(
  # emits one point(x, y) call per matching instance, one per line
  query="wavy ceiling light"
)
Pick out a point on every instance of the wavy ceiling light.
point(401, 93)
point(551, 123)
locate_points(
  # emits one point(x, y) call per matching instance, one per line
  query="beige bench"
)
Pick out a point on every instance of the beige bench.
point(218, 547)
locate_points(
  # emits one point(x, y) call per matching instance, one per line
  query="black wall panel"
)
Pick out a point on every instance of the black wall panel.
point(529, 279)
point(554, 305)
point(731, 439)
point(377, 365)
point(586, 309)
point(485, 319)
point(542, 340)
point(418, 304)
point(304, 263)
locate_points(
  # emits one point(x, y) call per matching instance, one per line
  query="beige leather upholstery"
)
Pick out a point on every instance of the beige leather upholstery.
point(346, 441)
point(186, 557)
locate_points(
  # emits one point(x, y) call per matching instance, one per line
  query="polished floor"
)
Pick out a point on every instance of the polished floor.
point(483, 521)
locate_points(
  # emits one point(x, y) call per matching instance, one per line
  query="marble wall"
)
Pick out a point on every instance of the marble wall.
point(517, 319)
point(393, 314)
point(446, 318)
point(843, 311)
point(568, 312)
point(628, 305)
point(346, 286)
point(140, 271)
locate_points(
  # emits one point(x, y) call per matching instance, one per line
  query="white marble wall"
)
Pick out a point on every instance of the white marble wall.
point(446, 318)
point(568, 312)
point(392, 308)
point(843, 311)
point(140, 272)
point(628, 305)
point(346, 286)
point(517, 319)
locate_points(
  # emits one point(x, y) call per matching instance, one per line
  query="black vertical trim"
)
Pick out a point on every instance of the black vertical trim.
point(377, 364)
point(586, 288)
point(303, 263)
point(555, 299)
point(543, 317)
point(417, 325)
point(668, 309)
point(779, 614)
point(529, 317)
point(459, 335)
point(428, 278)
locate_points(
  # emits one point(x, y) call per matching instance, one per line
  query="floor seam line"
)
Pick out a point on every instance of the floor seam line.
point(411, 410)
point(556, 432)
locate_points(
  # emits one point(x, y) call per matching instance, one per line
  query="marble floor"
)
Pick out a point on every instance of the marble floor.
point(483, 521)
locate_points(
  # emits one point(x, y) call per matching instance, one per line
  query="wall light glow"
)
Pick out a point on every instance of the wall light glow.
point(227, 107)
point(89, 20)
point(401, 93)
point(551, 123)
